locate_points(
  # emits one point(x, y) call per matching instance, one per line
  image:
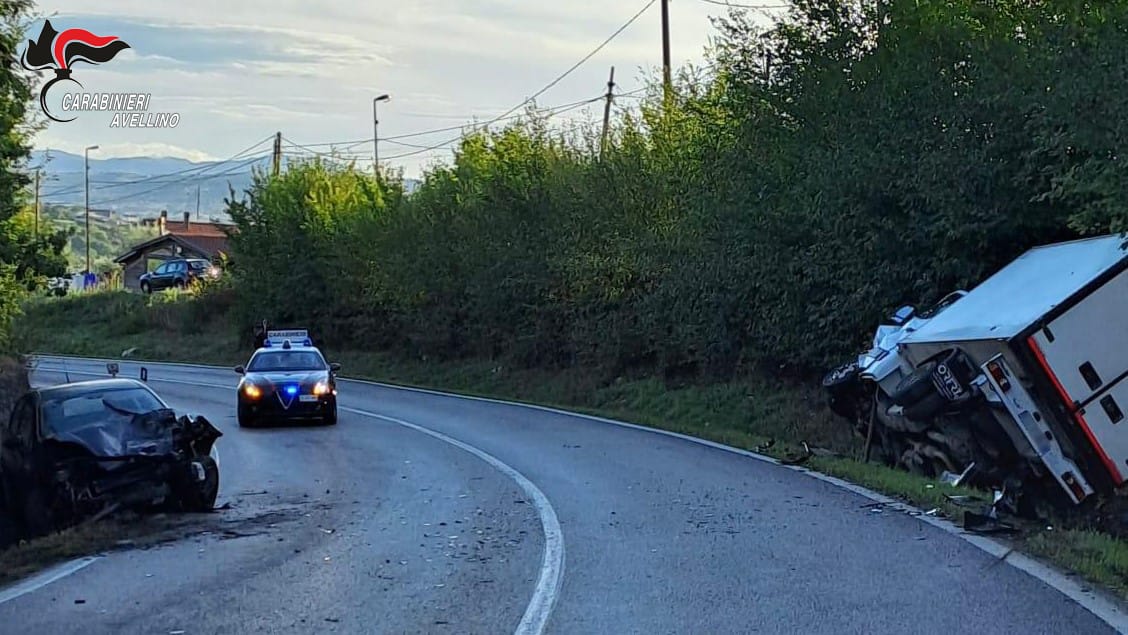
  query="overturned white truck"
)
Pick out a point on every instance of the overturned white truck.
point(1020, 383)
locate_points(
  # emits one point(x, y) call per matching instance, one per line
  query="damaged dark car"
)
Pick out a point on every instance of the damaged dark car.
point(77, 450)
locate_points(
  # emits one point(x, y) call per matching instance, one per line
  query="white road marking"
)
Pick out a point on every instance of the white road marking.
point(1101, 604)
point(552, 565)
point(43, 578)
point(547, 588)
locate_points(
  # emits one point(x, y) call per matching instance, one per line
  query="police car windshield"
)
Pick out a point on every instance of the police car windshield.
point(268, 361)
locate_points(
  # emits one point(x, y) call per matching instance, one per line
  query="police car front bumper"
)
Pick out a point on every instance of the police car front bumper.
point(276, 405)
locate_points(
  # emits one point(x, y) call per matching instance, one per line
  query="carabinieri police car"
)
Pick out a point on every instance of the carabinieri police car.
point(287, 379)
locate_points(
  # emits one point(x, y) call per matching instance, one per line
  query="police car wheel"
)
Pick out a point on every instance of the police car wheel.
point(330, 418)
point(245, 420)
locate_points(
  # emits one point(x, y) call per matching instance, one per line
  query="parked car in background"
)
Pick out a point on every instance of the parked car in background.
point(178, 274)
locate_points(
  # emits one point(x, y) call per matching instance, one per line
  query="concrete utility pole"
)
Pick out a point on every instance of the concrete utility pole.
point(666, 81)
point(37, 204)
point(86, 179)
point(607, 111)
point(277, 152)
point(376, 133)
point(197, 201)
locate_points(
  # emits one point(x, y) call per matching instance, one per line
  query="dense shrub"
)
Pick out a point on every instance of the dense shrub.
point(857, 156)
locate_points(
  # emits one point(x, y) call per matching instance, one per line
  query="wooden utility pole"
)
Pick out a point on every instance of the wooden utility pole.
point(607, 111)
point(277, 152)
point(666, 81)
point(37, 204)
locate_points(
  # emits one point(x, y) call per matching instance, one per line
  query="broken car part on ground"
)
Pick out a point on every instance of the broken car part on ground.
point(78, 450)
point(1017, 385)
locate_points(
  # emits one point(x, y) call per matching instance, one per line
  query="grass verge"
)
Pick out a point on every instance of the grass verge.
point(750, 414)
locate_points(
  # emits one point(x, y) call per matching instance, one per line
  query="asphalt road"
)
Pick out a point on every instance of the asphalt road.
point(376, 526)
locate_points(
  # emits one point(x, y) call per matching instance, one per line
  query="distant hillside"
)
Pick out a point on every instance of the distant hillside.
point(146, 185)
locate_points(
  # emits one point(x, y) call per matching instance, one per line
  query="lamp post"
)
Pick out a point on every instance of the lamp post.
point(86, 179)
point(376, 134)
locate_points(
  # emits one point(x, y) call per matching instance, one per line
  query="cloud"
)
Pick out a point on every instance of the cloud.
point(311, 69)
point(128, 149)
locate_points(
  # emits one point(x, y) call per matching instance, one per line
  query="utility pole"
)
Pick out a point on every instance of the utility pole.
point(376, 133)
point(37, 205)
point(197, 201)
point(666, 81)
point(277, 152)
point(86, 179)
point(607, 112)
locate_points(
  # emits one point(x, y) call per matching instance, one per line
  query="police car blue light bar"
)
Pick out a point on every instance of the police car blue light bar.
point(277, 338)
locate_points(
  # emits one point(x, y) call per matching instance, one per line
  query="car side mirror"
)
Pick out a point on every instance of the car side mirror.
point(240, 370)
point(904, 314)
point(335, 367)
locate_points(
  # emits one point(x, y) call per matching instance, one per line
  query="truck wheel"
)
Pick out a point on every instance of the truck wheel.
point(841, 386)
point(842, 376)
point(927, 408)
point(915, 387)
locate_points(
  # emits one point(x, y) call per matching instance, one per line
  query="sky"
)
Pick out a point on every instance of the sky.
point(238, 71)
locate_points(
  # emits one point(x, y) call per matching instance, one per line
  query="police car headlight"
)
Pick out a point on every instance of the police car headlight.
point(321, 388)
point(252, 391)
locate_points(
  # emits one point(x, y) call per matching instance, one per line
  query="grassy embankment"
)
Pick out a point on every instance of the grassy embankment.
point(744, 414)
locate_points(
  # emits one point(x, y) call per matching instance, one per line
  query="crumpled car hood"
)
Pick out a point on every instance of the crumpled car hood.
point(156, 433)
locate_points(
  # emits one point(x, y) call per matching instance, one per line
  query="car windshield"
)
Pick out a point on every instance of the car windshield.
point(70, 412)
point(286, 360)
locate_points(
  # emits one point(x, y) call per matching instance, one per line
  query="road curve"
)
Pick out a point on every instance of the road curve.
point(415, 515)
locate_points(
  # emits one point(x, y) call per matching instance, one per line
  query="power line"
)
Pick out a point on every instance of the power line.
point(235, 170)
point(194, 169)
point(540, 92)
point(350, 143)
point(747, 6)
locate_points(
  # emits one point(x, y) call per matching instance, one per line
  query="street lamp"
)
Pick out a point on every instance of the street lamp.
point(376, 134)
point(86, 179)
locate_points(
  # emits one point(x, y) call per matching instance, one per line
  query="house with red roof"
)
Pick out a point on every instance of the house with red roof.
point(179, 239)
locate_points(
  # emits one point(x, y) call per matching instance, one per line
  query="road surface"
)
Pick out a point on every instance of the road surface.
point(423, 513)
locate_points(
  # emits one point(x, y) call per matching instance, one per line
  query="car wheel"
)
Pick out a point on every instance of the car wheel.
point(146, 288)
point(9, 530)
point(38, 519)
point(245, 420)
point(331, 418)
point(179, 284)
point(199, 496)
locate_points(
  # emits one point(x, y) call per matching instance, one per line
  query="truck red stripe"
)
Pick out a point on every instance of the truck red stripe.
point(1109, 463)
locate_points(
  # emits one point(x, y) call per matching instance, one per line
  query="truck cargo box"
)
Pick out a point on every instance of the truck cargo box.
point(1057, 314)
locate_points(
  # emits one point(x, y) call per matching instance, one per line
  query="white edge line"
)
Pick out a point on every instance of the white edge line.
point(45, 577)
point(547, 588)
point(1098, 602)
point(552, 566)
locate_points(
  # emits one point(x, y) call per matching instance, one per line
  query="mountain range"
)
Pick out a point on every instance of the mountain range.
point(146, 185)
